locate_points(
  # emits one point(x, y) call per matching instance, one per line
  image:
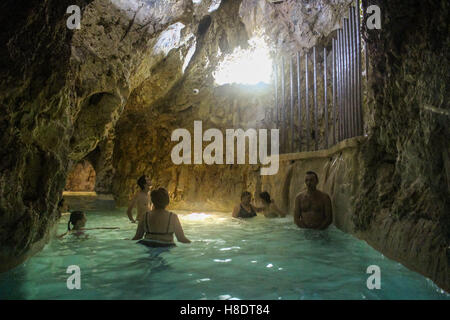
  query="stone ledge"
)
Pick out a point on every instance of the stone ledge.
point(79, 193)
point(325, 153)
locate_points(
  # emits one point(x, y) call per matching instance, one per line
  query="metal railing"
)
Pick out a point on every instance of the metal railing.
point(340, 115)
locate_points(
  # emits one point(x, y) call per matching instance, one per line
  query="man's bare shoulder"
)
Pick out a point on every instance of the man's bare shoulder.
point(300, 195)
point(324, 195)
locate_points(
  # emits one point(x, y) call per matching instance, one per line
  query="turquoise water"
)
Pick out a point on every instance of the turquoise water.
point(227, 259)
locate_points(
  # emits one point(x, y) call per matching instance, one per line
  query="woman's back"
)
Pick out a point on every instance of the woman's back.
point(160, 225)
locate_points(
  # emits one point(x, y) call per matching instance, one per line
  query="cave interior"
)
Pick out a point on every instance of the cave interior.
point(93, 108)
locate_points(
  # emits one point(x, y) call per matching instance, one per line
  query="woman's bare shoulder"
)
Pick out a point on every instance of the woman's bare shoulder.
point(173, 214)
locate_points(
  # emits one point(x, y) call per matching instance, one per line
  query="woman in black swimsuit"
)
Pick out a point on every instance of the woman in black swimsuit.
point(159, 225)
point(245, 209)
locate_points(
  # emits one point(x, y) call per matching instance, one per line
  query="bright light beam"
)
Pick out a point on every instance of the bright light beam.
point(246, 66)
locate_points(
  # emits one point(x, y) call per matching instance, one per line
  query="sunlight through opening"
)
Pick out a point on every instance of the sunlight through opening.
point(246, 66)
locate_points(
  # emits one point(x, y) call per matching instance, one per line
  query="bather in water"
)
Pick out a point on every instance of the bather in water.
point(245, 209)
point(141, 200)
point(313, 207)
point(158, 226)
point(78, 220)
point(269, 208)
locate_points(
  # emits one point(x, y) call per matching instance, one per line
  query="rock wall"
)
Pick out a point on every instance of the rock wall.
point(35, 130)
point(145, 148)
point(101, 159)
point(404, 202)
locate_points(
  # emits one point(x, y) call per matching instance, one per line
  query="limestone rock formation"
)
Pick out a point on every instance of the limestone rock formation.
point(404, 204)
point(294, 25)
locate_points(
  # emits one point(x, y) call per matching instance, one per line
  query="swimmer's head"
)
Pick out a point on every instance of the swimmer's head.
point(160, 198)
point(311, 180)
point(265, 196)
point(246, 197)
point(143, 184)
point(77, 219)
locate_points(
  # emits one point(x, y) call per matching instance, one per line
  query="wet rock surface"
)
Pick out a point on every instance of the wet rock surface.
point(403, 203)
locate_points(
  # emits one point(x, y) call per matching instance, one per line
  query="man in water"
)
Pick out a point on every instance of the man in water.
point(141, 200)
point(312, 207)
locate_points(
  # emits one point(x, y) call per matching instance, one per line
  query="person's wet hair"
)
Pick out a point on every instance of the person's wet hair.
point(142, 181)
point(74, 218)
point(245, 194)
point(313, 173)
point(160, 198)
point(265, 196)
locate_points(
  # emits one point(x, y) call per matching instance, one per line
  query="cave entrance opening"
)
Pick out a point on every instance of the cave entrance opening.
point(81, 178)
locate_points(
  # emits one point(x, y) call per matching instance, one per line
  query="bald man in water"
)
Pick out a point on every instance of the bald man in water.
point(312, 207)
